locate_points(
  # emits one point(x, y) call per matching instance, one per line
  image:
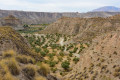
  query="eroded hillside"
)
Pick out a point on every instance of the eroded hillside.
point(56, 54)
point(84, 29)
point(10, 39)
point(101, 61)
point(18, 61)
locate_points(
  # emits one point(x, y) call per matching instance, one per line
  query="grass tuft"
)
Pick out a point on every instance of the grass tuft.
point(44, 69)
point(9, 53)
point(29, 71)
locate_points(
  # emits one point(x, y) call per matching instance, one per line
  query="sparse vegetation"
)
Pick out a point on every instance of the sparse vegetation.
point(49, 47)
point(58, 54)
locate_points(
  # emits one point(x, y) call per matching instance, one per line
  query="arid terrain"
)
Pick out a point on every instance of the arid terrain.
point(74, 47)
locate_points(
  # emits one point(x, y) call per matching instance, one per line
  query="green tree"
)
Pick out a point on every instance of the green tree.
point(65, 65)
point(76, 60)
point(61, 54)
point(43, 53)
point(52, 63)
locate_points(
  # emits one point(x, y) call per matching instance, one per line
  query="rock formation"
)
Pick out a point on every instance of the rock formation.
point(13, 22)
point(84, 29)
point(47, 17)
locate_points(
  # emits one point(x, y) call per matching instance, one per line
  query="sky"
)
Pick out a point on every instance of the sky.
point(56, 5)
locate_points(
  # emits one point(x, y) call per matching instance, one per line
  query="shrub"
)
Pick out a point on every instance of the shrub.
point(51, 55)
point(46, 51)
point(44, 69)
point(75, 49)
point(13, 67)
point(54, 46)
point(37, 50)
point(9, 53)
point(52, 63)
point(82, 47)
point(76, 60)
point(61, 73)
point(68, 58)
point(65, 65)
point(62, 48)
point(46, 61)
point(42, 53)
point(116, 74)
point(53, 70)
point(87, 44)
point(70, 54)
point(37, 42)
point(60, 58)
point(69, 47)
point(25, 59)
point(102, 60)
point(3, 66)
point(29, 71)
point(61, 54)
point(115, 53)
point(25, 26)
point(117, 69)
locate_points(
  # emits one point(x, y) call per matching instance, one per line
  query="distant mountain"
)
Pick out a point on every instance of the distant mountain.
point(48, 17)
point(107, 9)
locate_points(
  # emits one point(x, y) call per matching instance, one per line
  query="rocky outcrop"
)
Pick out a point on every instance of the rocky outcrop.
point(13, 22)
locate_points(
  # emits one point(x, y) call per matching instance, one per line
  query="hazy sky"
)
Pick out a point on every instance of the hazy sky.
point(56, 5)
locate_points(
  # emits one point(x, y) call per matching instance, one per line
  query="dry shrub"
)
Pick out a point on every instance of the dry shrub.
point(13, 67)
point(10, 65)
point(44, 69)
point(29, 71)
point(25, 59)
point(9, 53)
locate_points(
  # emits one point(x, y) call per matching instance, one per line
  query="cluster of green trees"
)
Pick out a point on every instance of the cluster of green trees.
point(42, 44)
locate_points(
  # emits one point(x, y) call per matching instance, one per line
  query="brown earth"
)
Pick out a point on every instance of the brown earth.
point(101, 61)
